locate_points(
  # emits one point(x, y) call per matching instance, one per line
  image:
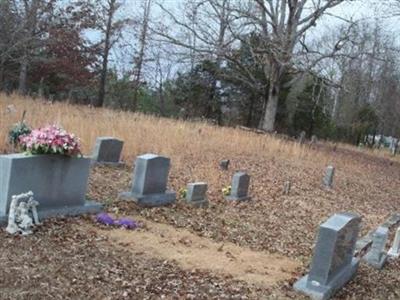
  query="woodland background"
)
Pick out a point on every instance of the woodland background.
point(277, 65)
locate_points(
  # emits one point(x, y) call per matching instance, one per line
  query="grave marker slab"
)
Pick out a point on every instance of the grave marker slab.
point(329, 174)
point(150, 179)
point(240, 187)
point(107, 150)
point(333, 264)
point(196, 194)
point(58, 182)
point(376, 256)
point(395, 249)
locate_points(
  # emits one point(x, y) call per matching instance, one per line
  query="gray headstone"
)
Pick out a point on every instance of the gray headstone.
point(314, 139)
point(329, 175)
point(394, 251)
point(107, 150)
point(302, 137)
point(150, 179)
point(394, 146)
point(286, 187)
point(224, 164)
point(196, 194)
point(377, 256)
point(240, 187)
point(333, 264)
point(58, 182)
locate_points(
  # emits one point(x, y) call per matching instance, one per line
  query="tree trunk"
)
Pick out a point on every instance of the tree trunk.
point(107, 45)
point(268, 122)
point(23, 74)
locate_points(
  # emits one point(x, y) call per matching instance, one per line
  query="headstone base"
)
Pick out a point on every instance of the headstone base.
point(392, 253)
point(90, 207)
point(103, 163)
point(373, 262)
point(233, 198)
point(151, 200)
point(323, 292)
point(199, 204)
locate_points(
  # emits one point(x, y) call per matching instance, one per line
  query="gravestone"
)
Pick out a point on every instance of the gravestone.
point(150, 179)
point(196, 194)
point(314, 139)
point(302, 137)
point(224, 164)
point(107, 150)
point(376, 256)
point(333, 264)
point(286, 187)
point(329, 174)
point(394, 251)
point(240, 187)
point(394, 146)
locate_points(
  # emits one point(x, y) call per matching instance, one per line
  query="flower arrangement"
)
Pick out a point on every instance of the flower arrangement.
point(183, 192)
point(226, 191)
point(107, 220)
point(19, 129)
point(50, 140)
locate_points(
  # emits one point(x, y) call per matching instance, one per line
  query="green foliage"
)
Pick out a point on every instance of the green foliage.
point(366, 122)
point(310, 115)
point(182, 193)
point(226, 191)
point(19, 129)
point(195, 92)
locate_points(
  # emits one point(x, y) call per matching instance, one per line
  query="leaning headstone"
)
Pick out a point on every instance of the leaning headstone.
point(224, 164)
point(150, 179)
point(328, 178)
point(107, 151)
point(196, 194)
point(376, 256)
point(394, 251)
point(240, 187)
point(333, 264)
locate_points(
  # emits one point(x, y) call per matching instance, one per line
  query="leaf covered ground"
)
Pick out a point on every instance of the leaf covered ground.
point(66, 260)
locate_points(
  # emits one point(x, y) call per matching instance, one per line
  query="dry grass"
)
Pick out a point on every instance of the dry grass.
point(143, 133)
point(366, 182)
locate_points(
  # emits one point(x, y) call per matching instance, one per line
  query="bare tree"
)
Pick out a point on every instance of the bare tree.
point(111, 30)
point(140, 57)
point(282, 26)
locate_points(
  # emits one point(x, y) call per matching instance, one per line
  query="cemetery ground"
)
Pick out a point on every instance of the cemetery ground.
point(255, 249)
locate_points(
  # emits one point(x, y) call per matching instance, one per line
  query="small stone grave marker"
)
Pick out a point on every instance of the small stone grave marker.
point(329, 175)
point(196, 194)
point(240, 187)
point(107, 150)
point(150, 179)
point(376, 256)
point(224, 164)
point(395, 249)
point(333, 264)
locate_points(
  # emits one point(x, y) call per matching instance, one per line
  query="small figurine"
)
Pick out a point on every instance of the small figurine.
point(22, 215)
point(32, 205)
point(12, 227)
point(24, 219)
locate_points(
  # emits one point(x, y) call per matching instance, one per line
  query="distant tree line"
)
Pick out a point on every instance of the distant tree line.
point(271, 65)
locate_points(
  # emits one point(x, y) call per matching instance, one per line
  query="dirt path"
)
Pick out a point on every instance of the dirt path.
point(193, 252)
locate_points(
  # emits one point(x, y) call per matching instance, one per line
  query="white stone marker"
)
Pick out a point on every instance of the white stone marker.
point(395, 250)
point(329, 174)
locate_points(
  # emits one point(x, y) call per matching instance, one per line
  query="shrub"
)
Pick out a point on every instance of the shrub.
point(18, 130)
point(50, 140)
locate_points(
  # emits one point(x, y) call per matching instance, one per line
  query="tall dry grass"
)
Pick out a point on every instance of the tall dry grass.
point(144, 133)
